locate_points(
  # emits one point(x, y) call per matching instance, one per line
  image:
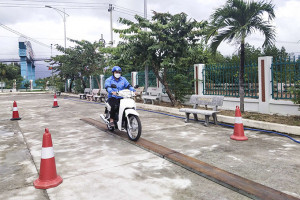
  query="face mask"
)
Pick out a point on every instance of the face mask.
point(117, 75)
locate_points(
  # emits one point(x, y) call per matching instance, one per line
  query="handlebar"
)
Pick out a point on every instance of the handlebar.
point(125, 93)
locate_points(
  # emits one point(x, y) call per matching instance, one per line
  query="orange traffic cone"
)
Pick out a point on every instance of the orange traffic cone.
point(48, 177)
point(55, 105)
point(238, 133)
point(15, 115)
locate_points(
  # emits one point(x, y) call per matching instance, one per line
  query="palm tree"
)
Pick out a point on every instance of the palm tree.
point(236, 20)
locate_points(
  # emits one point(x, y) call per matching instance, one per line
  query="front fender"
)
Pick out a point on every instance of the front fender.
point(131, 111)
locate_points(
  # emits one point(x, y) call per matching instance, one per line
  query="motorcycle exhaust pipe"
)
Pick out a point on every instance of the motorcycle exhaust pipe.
point(103, 119)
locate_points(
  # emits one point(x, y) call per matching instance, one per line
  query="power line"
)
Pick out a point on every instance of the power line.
point(22, 35)
point(52, 4)
point(58, 6)
point(7, 36)
point(127, 9)
point(75, 5)
point(61, 2)
point(125, 13)
point(72, 5)
point(21, 7)
point(277, 41)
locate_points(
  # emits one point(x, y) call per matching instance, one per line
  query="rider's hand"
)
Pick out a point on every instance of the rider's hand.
point(114, 93)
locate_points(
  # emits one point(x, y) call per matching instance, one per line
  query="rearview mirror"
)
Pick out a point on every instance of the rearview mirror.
point(136, 86)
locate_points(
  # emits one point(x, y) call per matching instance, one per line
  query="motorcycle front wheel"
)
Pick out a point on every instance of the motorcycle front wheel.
point(134, 127)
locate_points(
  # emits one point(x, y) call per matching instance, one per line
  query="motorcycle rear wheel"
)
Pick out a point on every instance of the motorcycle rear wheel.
point(135, 130)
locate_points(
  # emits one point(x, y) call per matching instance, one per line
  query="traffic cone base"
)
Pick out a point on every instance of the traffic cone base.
point(40, 184)
point(239, 138)
point(238, 133)
point(15, 118)
point(55, 106)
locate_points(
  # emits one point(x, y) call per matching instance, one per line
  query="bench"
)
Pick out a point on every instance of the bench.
point(58, 93)
point(102, 95)
point(206, 100)
point(86, 91)
point(152, 94)
point(90, 96)
point(139, 92)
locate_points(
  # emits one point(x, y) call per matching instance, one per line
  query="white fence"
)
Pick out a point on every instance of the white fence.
point(264, 104)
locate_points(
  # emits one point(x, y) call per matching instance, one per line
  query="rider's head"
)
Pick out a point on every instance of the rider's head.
point(116, 70)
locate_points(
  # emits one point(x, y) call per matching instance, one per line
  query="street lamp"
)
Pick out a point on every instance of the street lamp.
point(64, 18)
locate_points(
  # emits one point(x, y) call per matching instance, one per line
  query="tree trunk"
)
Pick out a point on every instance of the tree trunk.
point(98, 83)
point(82, 82)
point(71, 83)
point(241, 77)
point(165, 84)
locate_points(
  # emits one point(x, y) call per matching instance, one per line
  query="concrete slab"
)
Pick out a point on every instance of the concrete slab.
point(96, 165)
point(154, 178)
point(24, 193)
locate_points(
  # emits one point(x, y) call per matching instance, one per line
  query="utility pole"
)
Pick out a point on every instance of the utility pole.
point(52, 67)
point(146, 67)
point(110, 9)
point(65, 30)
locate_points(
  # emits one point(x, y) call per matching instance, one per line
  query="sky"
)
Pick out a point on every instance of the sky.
point(88, 19)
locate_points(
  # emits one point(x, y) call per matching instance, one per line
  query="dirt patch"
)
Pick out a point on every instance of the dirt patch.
point(289, 120)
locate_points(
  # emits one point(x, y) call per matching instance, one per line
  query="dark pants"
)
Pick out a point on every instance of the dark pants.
point(114, 104)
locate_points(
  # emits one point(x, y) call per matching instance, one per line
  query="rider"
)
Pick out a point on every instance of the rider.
point(113, 99)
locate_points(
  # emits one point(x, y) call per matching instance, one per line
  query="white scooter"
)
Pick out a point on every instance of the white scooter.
point(128, 118)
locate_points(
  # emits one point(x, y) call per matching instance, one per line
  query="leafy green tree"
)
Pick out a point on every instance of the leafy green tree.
point(41, 83)
point(236, 20)
point(115, 57)
point(10, 72)
point(2, 71)
point(26, 85)
point(83, 60)
point(275, 52)
point(165, 43)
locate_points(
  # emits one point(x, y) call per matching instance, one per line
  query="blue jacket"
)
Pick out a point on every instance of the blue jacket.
point(121, 84)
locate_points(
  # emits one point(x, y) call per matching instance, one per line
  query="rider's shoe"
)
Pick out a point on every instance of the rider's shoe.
point(112, 124)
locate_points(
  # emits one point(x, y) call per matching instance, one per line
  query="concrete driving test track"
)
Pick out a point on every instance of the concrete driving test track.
point(97, 164)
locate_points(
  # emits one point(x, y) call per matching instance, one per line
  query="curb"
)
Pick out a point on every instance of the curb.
point(18, 93)
point(282, 128)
